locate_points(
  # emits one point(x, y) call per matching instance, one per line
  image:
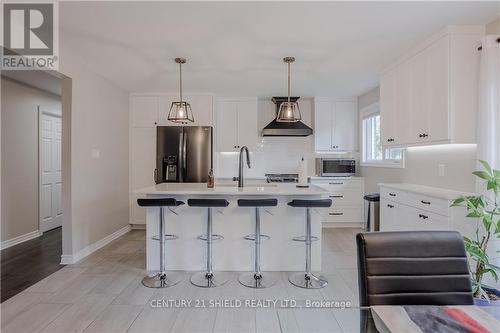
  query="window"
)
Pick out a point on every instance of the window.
point(373, 154)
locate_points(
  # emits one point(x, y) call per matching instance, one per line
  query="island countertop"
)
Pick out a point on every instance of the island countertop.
point(231, 188)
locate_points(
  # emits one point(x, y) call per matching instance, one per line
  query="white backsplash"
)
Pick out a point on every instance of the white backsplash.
point(273, 155)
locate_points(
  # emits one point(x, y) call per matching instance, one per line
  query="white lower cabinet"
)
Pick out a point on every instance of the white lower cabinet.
point(409, 211)
point(347, 201)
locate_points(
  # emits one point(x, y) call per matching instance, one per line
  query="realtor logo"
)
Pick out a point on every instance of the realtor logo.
point(29, 36)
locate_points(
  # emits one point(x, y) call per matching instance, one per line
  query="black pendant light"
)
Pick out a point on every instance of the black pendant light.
point(289, 111)
point(180, 112)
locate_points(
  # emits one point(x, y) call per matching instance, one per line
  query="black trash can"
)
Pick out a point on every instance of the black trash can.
point(373, 213)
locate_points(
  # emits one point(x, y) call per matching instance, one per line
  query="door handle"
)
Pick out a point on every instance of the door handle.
point(336, 183)
point(184, 149)
point(155, 176)
point(336, 214)
point(422, 216)
point(336, 196)
point(180, 160)
point(425, 202)
point(390, 206)
point(392, 194)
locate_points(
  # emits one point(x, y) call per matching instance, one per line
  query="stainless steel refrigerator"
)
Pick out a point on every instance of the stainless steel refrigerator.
point(183, 154)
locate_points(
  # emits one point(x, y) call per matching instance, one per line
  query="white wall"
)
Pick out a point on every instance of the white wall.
point(20, 155)
point(493, 27)
point(99, 121)
point(273, 154)
point(421, 165)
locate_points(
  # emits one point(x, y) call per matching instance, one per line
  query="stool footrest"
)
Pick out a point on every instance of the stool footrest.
point(303, 239)
point(215, 237)
point(167, 237)
point(251, 237)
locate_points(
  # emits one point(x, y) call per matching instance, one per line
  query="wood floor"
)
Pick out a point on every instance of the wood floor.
point(103, 293)
point(27, 263)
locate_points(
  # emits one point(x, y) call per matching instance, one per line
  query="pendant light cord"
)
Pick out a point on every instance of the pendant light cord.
point(288, 83)
point(180, 80)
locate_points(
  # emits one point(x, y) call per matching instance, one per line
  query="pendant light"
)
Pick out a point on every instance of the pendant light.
point(180, 112)
point(289, 111)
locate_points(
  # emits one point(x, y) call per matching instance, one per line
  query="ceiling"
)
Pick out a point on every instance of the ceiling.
point(236, 48)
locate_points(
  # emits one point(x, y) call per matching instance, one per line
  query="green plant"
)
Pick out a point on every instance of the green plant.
point(485, 210)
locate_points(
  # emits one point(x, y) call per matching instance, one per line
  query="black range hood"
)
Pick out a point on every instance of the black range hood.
point(275, 128)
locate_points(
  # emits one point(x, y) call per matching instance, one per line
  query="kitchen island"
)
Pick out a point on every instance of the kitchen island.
point(233, 253)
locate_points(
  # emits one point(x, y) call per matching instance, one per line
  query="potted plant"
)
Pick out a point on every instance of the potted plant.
point(485, 209)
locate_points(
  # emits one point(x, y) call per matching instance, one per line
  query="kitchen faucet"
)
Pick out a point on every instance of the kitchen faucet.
point(240, 173)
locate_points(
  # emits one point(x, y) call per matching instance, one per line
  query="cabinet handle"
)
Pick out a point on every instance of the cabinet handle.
point(390, 206)
point(425, 202)
point(336, 183)
point(156, 123)
point(425, 135)
point(336, 214)
point(422, 216)
point(336, 196)
point(392, 194)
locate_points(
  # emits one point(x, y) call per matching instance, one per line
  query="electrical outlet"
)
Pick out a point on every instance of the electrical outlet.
point(441, 170)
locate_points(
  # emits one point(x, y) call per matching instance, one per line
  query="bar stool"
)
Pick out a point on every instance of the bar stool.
point(256, 279)
point(208, 279)
point(160, 279)
point(307, 279)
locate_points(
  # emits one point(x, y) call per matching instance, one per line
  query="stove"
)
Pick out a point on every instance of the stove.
point(282, 177)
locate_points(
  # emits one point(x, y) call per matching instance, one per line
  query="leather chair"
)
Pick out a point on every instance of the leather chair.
point(413, 268)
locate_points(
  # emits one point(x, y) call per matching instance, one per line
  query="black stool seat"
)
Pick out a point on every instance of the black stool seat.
point(373, 197)
point(311, 203)
point(208, 202)
point(257, 202)
point(159, 202)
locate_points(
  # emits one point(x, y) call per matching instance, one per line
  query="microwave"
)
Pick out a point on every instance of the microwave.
point(335, 167)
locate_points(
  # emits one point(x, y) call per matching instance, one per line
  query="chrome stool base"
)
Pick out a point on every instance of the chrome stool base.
point(201, 279)
point(266, 280)
point(159, 280)
point(307, 281)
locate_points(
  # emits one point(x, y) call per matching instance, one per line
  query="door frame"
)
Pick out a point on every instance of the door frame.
point(41, 111)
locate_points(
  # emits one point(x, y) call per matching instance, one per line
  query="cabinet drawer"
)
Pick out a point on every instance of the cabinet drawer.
point(392, 194)
point(423, 220)
point(337, 185)
point(346, 198)
point(431, 204)
point(343, 214)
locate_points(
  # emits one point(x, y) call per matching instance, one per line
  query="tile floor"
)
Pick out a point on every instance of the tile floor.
point(103, 293)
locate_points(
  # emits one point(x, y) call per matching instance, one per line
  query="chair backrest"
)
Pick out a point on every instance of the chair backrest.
point(413, 268)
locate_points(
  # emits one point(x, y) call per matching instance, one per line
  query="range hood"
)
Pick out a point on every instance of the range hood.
point(275, 128)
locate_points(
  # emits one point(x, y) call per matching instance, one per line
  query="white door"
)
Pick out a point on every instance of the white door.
point(227, 126)
point(345, 132)
point(387, 107)
point(50, 154)
point(247, 124)
point(323, 122)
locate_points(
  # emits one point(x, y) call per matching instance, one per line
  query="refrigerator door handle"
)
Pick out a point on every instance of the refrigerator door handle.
point(184, 153)
point(180, 159)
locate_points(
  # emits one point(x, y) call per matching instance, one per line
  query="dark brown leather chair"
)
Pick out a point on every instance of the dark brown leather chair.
point(413, 268)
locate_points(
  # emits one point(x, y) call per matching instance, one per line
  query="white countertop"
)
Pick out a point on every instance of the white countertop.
point(435, 192)
point(231, 188)
point(330, 178)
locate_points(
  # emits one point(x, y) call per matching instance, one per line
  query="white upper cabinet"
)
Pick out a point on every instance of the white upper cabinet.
point(143, 111)
point(149, 110)
point(236, 124)
point(430, 95)
point(335, 124)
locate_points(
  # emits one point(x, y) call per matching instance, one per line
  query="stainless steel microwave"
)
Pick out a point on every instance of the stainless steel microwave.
point(335, 167)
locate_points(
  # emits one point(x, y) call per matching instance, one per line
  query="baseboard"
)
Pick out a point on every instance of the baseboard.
point(19, 239)
point(138, 226)
point(68, 259)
